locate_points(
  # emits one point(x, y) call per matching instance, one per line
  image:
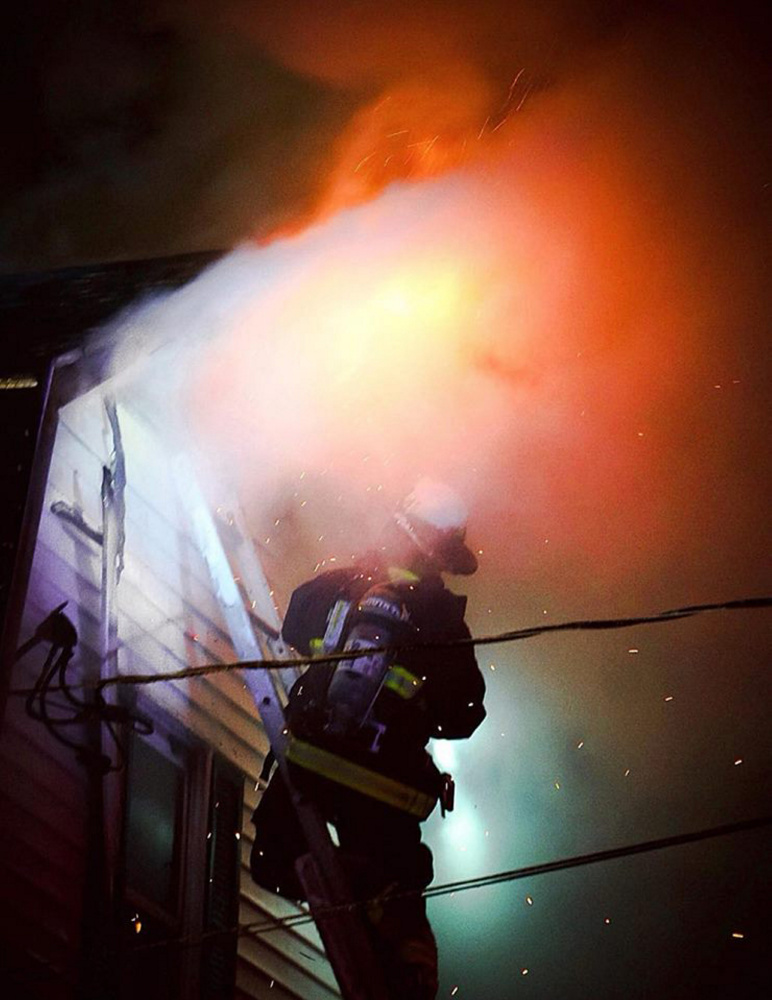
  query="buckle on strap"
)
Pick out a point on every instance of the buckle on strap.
point(447, 794)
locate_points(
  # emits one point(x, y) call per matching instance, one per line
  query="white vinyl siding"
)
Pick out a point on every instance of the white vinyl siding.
point(169, 618)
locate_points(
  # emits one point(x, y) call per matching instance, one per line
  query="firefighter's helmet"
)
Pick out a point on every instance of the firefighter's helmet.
point(434, 517)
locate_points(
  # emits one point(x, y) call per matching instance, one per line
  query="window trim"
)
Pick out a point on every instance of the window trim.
point(196, 760)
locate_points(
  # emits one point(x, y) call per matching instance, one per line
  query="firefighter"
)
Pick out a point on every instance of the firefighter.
point(359, 727)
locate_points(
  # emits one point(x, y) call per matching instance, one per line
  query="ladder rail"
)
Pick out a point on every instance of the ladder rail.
point(343, 933)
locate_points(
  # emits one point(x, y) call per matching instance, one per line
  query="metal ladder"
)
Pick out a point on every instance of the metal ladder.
point(227, 550)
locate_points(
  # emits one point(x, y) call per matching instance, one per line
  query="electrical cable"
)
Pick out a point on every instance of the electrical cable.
point(256, 928)
point(53, 665)
point(59, 631)
point(594, 624)
point(502, 637)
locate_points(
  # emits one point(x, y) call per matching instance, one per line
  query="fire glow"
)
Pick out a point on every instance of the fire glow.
point(378, 320)
point(504, 326)
point(431, 331)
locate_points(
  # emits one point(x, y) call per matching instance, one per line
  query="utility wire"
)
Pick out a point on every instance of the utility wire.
point(592, 624)
point(451, 887)
point(598, 856)
point(501, 637)
point(256, 928)
point(265, 926)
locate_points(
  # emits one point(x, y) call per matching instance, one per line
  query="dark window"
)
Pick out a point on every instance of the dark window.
point(154, 814)
point(181, 848)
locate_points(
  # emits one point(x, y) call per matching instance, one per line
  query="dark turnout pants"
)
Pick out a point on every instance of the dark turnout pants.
point(382, 852)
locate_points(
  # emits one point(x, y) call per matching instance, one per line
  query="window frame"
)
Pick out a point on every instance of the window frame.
point(199, 763)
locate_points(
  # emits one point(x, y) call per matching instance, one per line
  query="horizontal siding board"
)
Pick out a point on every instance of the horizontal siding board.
point(223, 696)
point(85, 421)
point(165, 598)
point(257, 905)
point(31, 903)
point(206, 716)
point(155, 533)
point(25, 837)
point(57, 579)
point(267, 904)
point(51, 891)
point(42, 817)
point(252, 982)
point(32, 771)
point(223, 717)
point(288, 967)
point(157, 565)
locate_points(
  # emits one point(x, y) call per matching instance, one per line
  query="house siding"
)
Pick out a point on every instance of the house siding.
point(169, 618)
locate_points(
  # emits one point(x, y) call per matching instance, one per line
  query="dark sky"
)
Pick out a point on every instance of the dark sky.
point(140, 129)
point(596, 177)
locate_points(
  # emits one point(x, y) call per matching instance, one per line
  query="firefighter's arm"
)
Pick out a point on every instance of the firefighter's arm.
point(306, 617)
point(457, 691)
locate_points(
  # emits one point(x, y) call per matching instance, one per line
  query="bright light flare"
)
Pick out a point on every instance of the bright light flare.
point(398, 330)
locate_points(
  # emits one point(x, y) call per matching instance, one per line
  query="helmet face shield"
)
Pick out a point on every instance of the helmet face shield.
point(455, 556)
point(434, 517)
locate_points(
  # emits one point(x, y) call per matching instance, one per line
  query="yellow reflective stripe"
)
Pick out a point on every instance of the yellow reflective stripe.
point(360, 779)
point(316, 646)
point(402, 682)
point(399, 575)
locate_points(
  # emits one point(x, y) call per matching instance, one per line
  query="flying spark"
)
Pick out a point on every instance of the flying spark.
point(514, 84)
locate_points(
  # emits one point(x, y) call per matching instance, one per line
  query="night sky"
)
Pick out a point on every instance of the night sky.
point(523, 248)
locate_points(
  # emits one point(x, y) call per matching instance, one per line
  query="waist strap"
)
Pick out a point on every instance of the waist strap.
point(359, 779)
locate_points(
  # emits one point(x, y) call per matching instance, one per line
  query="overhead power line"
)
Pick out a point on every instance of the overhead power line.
point(265, 926)
point(591, 624)
point(581, 860)
point(514, 635)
